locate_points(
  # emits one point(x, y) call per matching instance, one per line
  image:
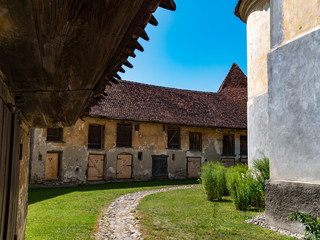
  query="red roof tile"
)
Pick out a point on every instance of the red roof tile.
point(142, 102)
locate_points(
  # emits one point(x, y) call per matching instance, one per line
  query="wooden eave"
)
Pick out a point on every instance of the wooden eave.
point(57, 56)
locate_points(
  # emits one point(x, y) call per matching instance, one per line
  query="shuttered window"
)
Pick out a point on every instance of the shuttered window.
point(124, 135)
point(228, 144)
point(96, 136)
point(195, 141)
point(243, 145)
point(173, 137)
point(55, 134)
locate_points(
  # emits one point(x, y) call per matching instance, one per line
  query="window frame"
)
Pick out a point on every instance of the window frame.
point(127, 144)
point(171, 138)
point(232, 153)
point(193, 145)
point(94, 145)
point(55, 138)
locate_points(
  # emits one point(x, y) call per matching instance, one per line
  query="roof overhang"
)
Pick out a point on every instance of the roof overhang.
point(57, 56)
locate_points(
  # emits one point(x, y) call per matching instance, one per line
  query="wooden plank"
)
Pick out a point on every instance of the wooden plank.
point(52, 166)
point(194, 165)
point(95, 167)
point(124, 166)
point(2, 169)
point(5, 156)
point(12, 204)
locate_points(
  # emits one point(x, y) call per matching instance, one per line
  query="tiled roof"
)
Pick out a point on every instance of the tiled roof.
point(142, 102)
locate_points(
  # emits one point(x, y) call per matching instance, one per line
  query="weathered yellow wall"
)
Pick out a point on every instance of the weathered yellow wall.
point(299, 17)
point(150, 139)
point(258, 37)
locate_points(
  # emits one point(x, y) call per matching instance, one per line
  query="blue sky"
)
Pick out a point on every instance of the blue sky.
point(191, 48)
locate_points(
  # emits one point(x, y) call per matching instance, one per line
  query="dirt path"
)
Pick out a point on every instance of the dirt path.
point(118, 221)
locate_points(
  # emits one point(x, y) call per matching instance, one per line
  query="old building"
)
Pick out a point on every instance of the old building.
point(56, 57)
point(141, 132)
point(283, 102)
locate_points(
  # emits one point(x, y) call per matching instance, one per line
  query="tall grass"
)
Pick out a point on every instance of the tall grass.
point(213, 180)
point(247, 187)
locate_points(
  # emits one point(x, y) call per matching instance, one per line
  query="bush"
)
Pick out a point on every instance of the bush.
point(238, 187)
point(246, 187)
point(312, 224)
point(212, 178)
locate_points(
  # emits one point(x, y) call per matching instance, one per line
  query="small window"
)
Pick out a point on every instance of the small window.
point(139, 155)
point(137, 127)
point(124, 135)
point(173, 157)
point(173, 137)
point(228, 144)
point(55, 134)
point(96, 136)
point(243, 145)
point(195, 141)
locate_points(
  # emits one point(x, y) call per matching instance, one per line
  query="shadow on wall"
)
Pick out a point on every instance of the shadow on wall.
point(41, 194)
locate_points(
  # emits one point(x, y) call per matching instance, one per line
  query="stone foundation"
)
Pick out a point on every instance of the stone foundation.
point(284, 197)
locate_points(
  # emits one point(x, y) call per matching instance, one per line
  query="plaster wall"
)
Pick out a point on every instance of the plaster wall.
point(151, 139)
point(258, 37)
point(299, 17)
point(294, 100)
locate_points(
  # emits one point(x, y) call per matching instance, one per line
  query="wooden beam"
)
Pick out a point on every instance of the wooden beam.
point(128, 64)
point(121, 70)
point(116, 76)
point(144, 35)
point(153, 21)
point(114, 81)
point(138, 46)
point(168, 4)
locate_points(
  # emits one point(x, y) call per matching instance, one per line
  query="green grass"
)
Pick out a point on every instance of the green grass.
point(185, 214)
point(71, 212)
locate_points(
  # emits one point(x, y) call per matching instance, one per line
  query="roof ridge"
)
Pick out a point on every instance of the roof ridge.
point(168, 88)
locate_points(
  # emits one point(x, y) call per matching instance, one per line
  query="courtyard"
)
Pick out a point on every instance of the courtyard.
point(73, 213)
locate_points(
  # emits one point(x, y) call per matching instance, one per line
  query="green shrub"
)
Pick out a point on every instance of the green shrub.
point(237, 186)
point(312, 224)
point(246, 187)
point(212, 178)
point(262, 170)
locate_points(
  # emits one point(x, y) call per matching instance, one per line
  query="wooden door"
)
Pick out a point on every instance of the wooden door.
point(124, 166)
point(52, 166)
point(10, 139)
point(95, 167)
point(194, 165)
point(160, 166)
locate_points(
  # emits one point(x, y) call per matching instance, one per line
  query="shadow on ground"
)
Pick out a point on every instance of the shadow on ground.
point(41, 193)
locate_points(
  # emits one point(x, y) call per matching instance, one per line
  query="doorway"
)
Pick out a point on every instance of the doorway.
point(124, 166)
point(160, 166)
point(52, 166)
point(193, 166)
point(95, 167)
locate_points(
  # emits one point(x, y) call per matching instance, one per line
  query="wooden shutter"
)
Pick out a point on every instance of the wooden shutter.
point(228, 144)
point(173, 137)
point(96, 136)
point(195, 141)
point(243, 145)
point(124, 135)
point(10, 139)
point(55, 134)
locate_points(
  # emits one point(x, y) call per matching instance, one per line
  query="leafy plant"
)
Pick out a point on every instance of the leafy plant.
point(311, 223)
point(212, 178)
point(238, 187)
point(247, 187)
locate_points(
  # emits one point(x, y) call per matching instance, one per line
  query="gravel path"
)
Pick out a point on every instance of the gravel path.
point(260, 220)
point(118, 221)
